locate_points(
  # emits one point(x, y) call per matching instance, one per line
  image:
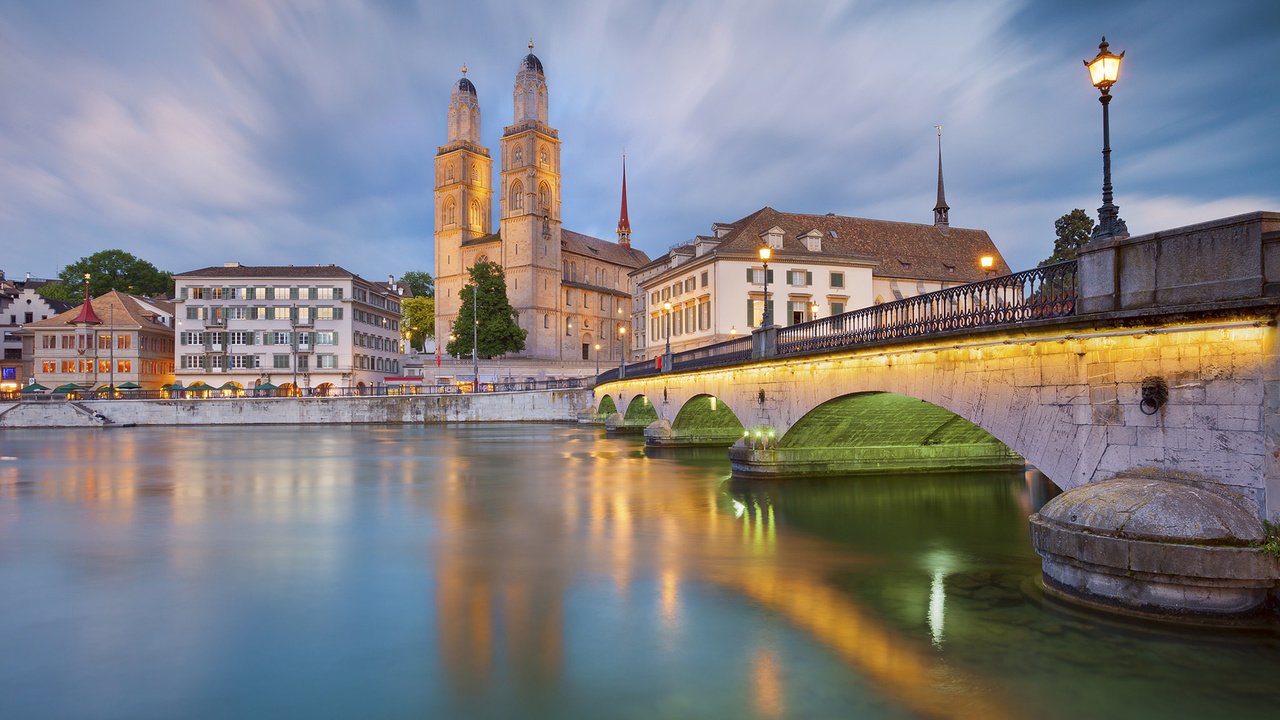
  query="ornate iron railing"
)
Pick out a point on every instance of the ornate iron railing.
point(1046, 292)
point(729, 351)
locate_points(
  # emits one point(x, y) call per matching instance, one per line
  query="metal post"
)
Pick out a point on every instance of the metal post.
point(768, 316)
point(111, 347)
point(1109, 222)
point(475, 334)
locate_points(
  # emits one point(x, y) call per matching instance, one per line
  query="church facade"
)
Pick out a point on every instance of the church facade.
point(572, 292)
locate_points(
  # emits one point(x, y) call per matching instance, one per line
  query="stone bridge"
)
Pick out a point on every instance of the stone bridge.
point(1160, 364)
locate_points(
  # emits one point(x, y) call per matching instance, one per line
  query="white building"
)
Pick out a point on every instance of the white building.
point(821, 265)
point(21, 305)
point(309, 327)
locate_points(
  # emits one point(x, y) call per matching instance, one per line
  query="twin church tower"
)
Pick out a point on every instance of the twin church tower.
point(571, 290)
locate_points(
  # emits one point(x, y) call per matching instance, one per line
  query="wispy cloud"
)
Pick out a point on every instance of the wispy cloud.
point(304, 131)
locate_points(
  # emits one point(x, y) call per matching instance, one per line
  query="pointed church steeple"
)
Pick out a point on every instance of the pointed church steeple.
point(624, 222)
point(940, 210)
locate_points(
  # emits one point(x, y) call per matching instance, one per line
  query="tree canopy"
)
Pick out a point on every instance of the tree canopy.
point(497, 332)
point(420, 283)
point(109, 270)
point(419, 319)
point(1073, 230)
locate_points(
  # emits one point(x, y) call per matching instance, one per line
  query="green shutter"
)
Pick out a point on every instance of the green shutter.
point(769, 276)
point(808, 277)
point(750, 275)
point(183, 295)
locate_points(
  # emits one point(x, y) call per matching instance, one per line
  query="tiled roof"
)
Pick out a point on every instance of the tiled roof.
point(903, 250)
point(120, 309)
point(269, 271)
point(612, 252)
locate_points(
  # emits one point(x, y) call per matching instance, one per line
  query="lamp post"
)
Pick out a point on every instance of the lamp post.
point(622, 350)
point(986, 262)
point(597, 359)
point(666, 308)
point(766, 252)
point(1104, 70)
point(813, 311)
point(475, 336)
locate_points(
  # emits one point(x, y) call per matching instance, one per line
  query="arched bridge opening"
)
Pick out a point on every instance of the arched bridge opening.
point(703, 421)
point(606, 407)
point(873, 433)
point(638, 415)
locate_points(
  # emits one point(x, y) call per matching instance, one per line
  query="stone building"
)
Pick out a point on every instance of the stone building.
point(312, 328)
point(21, 305)
point(115, 338)
point(570, 290)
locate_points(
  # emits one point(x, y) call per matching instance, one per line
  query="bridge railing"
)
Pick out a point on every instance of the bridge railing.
point(729, 351)
point(1045, 292)
point(1040, 293)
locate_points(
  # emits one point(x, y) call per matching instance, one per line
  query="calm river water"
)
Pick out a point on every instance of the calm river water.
point(542, 571)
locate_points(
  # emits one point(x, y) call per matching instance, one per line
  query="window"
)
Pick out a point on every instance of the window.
point(516, 201)
point(704, 278)
point(544, 197)
point(280, 312)
point(450, 212)
point(280, 362)
point(475, 215)
point(324, 293)
point(568, 298)
point(124, 366)
point(799, 277)
point(568, 326)
point(302, 363)
point(546, 321)
point(838, 308)
point(690, 285)
point(755, 312)
point(124, 342)
point(192, 361)
point(704, 315)
point(837, 279)
point(28, 317)
point(325, 338)
point(544, 157)
point(689, 313)
point(757, 276)
point(193, 313)
point(324, 313)
point(677, 328)
point(327, 361)
point(197, 293)
point(280, 293)
point(241, 338)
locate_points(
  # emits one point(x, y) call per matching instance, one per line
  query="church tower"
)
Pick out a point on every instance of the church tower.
point(940, 210)
point(624, 222)
point(530, 212)
point(463, 199)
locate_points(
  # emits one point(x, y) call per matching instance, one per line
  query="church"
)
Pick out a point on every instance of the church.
point(572, 291)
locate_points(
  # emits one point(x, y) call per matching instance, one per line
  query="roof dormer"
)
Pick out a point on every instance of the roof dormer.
point(772, 237)
point(812, 240)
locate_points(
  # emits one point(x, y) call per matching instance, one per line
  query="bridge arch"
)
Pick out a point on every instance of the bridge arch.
point(640, 411)
point(606, 407)
point(876, 432)
point(702, 420)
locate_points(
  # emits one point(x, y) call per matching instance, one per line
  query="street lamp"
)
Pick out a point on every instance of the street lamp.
point(1104, 70)
point(765, 253)
point(813, 311)
point(986, 262)
point(622, 350)
point(597, 359)
point(666, 307)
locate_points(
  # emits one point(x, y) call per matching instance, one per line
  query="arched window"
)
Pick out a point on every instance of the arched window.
point(517, 157)
point(544, 197)
point(517, 196)
point(482, 258)
point(448, 172)
point(450, 212)
point(544, 156)
point(546, 321)
point(475, 215)
point(475, 175)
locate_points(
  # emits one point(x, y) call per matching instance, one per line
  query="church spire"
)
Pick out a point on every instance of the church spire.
point(940, 210)
point(624, 222)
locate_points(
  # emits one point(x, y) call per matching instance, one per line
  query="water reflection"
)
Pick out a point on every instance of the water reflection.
point(507, 571)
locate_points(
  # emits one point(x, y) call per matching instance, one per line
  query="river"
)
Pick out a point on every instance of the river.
point(546, 571)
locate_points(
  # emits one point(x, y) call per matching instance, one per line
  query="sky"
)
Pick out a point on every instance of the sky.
point(192, 133)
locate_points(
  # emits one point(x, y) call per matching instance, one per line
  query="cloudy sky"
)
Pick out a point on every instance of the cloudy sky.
point(275, 133)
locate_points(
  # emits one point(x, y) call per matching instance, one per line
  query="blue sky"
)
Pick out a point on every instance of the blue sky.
point(270, 132)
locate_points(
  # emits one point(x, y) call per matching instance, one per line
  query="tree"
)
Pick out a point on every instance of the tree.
point(109, 270)
point(498, 331)
point(419, 319)
point(421, 284)
point(1073, 230)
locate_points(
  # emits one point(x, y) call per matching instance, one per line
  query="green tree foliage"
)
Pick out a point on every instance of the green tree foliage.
point(419, 319)
point(498, 331)
point(109, 270)
point(421, 284)
point(1073, 230)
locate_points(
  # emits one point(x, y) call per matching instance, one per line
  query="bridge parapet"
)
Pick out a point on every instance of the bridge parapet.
point(1232, 259)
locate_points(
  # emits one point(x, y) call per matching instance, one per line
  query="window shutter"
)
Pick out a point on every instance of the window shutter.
point(751, 275)
point(772, 315)
point(181, 296)
point(751, 321)
point(769, 275)
point(335, 337)
point(808, 277)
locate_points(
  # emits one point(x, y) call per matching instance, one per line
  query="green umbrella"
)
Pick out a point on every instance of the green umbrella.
point(34, 388)
point(172, 386)
point(199, 385)
point(68, 388)
point(228, 385)
point(105, 388)
point(268, 386)
point(129, 386)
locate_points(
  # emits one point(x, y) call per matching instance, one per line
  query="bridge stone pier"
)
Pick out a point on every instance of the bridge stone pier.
point(1152, 398)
